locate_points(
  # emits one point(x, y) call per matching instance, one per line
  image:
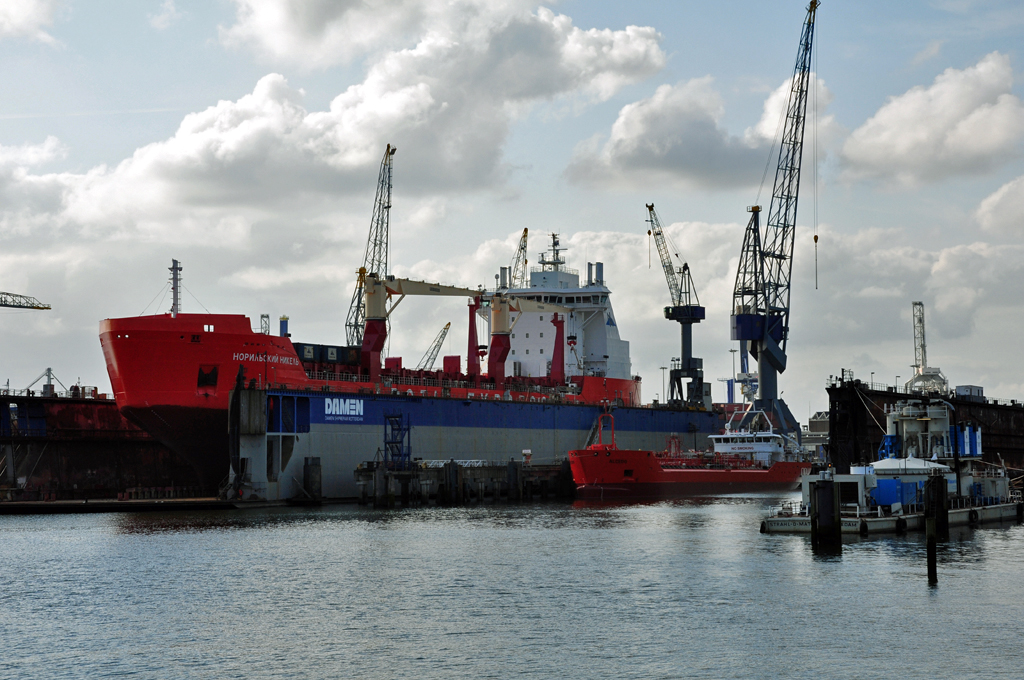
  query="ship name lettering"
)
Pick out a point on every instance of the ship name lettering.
point(266, 357)
point(343, 407)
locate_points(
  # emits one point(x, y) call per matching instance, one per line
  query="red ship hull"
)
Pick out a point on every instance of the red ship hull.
point(603, 472)
point(172, 376)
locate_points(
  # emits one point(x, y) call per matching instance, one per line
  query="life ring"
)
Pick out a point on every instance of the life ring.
point(901, 525)
point(864, 527)
point(972, 517)
point(764, 527)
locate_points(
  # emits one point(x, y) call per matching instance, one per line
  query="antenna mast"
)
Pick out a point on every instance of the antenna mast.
point(175, 269)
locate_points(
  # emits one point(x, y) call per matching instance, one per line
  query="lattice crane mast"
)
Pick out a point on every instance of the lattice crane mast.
point(375, 259)
point(427, 362)
point(518, 277)
point(20, 301)
point(687, 311)
point(761, 296)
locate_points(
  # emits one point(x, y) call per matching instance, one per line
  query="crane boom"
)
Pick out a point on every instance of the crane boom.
point(761, 295)
point(427, 362)
point(671, 277)
point(375, 258)
point(20, 301)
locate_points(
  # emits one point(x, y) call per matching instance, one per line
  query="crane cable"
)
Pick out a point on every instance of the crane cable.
point(814, 146)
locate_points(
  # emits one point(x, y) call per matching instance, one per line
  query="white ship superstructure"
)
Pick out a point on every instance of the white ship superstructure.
point(592, 345)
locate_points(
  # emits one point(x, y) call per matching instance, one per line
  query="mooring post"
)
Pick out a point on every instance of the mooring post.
point(936, 522)
point(515, 481)
point(380, 487)
point(826, 522)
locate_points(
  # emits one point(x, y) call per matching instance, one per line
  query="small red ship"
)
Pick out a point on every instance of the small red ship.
point(742, 461)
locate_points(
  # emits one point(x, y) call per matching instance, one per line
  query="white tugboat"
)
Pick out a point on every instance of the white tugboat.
point(757, 441)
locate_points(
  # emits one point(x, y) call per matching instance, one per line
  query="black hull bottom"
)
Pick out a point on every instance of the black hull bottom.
point(200, 436)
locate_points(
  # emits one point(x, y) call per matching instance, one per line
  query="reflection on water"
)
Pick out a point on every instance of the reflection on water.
point(685, 588)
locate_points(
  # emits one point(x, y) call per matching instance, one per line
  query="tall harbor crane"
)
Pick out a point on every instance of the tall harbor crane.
point(20, 301)
point(375, 259)
point(427, 362)
point(925, 378)
point(761, 296)
point(687, 311)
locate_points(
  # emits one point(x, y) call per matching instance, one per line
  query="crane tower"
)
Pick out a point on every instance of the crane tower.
point(926, 378)
point(761, 296)
point(687, 311)
point(375, 259)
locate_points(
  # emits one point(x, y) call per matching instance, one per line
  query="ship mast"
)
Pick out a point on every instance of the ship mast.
point(175, 270)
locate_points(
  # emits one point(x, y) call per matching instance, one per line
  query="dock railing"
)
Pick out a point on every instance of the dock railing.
point(788, 509)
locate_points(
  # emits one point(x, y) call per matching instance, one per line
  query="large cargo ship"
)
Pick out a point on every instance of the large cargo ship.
point(173, 375)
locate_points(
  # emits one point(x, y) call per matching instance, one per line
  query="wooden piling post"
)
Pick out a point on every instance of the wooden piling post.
point(515, 481)
point(936, 522)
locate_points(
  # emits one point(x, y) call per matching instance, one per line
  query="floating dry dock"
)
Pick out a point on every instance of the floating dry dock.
point(929, 466)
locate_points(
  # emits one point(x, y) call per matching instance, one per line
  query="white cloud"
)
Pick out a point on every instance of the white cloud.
point(27, 19)
point(267, 202)
point(774, 112)
point(930, 51)
point(166, 17)
point(675, 136)
point(447, 105)
point(966, 122)
point(319, 33)
point(27, 155)
point(1003, 210)
point(322, 33)
point(868, 278)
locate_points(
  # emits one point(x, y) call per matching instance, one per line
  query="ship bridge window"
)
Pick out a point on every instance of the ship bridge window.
point(542, 335)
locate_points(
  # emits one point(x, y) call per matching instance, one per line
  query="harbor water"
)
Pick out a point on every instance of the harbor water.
point(670, 590)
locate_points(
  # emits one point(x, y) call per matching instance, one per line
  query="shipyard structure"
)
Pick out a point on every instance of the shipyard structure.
point(858, 410)
point(257, 414)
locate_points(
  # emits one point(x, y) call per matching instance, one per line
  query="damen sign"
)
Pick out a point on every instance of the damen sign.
point(343, 410)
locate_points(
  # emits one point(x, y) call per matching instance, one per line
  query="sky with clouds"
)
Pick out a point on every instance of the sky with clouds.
point(243, 138)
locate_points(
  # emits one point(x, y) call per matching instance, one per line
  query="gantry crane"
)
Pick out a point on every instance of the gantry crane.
point(427, 362)
point(375, 259)
point(20, 301)
point(687, 311)
point(761, 296)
